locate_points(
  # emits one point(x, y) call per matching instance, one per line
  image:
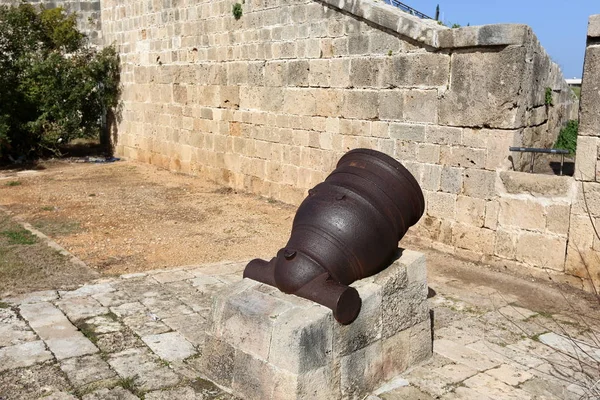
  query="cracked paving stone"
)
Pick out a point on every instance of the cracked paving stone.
point(112, 299)
point(129, 309)
point(192, 327)
point(34, 382)
point(13, 330)
point(207, 285)
point(88, 290)
point(144, 325)
point(492, 387)
point(82, 371)
point(23, 355)
point(118, 341)
point(166, 307)
point(81, 307)
point(145, 369)
point(406, 393)
point(463, 355)
point(116, 393)
point(34, 297)
point(505, 354)
point(170, 346)
point(103, 324)
point(545, 389)
point(509, 374)
point(172, 276)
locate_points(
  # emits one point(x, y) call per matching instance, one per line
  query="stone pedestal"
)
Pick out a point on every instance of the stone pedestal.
point(264, 344)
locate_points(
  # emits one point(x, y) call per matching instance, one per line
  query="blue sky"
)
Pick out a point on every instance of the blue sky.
point(560, 26)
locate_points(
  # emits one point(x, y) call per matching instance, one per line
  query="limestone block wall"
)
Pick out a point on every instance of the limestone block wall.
point(88, 13)
point(269, 102)
point(583, 255)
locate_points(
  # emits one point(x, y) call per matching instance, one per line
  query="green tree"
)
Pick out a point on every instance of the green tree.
point(53, 86)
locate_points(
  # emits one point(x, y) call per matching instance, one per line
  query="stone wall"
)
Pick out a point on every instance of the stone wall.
point(269, 102)
point(583, 255)
point(88, 13)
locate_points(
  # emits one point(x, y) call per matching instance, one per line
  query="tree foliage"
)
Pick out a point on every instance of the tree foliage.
point(54, 86)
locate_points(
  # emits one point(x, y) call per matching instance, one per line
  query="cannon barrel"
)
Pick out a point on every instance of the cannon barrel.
point(348, 228)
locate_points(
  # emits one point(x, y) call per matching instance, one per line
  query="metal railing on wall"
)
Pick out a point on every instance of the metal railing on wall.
point(407, 9)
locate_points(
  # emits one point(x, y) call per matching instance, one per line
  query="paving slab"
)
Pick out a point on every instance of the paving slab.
point(35, 382)
point(172, 276)
point(116, 393)
point(88, 290)
point(73, 346)
point(170, 346)
point(118, 341)
point(463, 355)
point(146, 370)
point(33, 297)
point(13, 331)
point(77, 308)
point(23, 355)
point(86, 370)
point(480, 351)
point(509, 374)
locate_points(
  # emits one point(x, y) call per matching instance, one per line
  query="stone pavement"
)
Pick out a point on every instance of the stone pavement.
point(141, 336)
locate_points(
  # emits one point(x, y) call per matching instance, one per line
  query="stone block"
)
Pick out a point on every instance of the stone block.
point(483, 89)
point(307, 354)
point(506, 244)
point(589, 111)
point(479, 240)
point(443, 135)
point(479, 183)
point(391, 104)
point(441, 205)
point(430, 178)
point(492, 209)
point(420, 106)
point(522, 214)
point(451, 180)
point(416, 70)
point(537, 185)
point(487, 35)
point(360, 104)
point(361, 371)
point(408, 132)
point(543, 251)
point(428, 153)
point(588, 148)
point(466, 157)
point(557, 218)
point(594, 26)
point(320, 73)
point(470, 211)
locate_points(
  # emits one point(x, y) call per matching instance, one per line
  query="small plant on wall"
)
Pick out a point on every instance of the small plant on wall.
point(548, 97)
point(237, 10)
point(567, 138)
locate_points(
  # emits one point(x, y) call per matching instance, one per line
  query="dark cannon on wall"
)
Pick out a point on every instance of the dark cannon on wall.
point(348, 228)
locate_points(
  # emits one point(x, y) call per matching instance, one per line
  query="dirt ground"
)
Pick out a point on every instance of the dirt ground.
point(126, 217)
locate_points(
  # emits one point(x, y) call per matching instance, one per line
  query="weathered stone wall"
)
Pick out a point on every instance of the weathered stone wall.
point(88, 12)
point(269, 102)
point(583, 255)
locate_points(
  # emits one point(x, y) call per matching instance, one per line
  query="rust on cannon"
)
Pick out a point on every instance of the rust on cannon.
point(348, 228)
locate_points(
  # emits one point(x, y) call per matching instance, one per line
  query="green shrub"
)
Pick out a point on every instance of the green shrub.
point(548, 96)
point(237, 10)
point(54, 87)
point(567, 138)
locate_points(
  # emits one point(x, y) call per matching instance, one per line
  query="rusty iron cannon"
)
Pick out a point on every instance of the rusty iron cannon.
point(348, 228)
